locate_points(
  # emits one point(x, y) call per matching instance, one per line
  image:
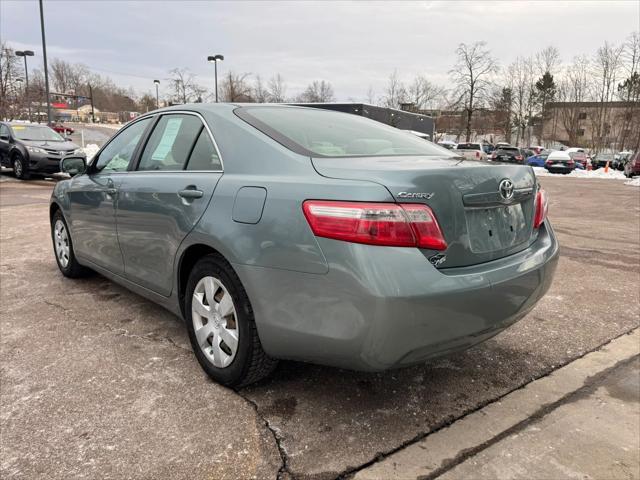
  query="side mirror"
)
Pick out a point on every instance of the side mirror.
point(73, 165)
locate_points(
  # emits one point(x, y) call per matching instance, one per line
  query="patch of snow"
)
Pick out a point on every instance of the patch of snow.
point(90, 150)
point(634, 183)
point(600, 173)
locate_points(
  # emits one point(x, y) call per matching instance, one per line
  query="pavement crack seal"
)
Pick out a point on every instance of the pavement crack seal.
point(349, 472)
point(589, 386)
point(283, 471)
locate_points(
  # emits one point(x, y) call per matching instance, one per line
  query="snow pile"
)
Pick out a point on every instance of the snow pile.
point(600, 173)
point(90, 150)
point(634, 183)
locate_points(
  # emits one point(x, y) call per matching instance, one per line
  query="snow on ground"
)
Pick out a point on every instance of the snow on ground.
point(633, 183)
point(600, 173)
point(91, 149)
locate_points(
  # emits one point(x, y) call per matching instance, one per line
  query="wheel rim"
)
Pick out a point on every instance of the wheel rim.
point(17, 167)
point(61, 242)
point(215, 322)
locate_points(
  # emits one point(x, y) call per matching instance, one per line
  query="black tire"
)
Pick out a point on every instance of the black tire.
point(250, 363)
point(72, 269)
point(20, 168)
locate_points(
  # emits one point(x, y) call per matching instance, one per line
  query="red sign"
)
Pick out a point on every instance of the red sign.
point(59, 105)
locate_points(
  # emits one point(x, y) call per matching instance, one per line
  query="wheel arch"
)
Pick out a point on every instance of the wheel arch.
point(53, 208)
point(188, 259)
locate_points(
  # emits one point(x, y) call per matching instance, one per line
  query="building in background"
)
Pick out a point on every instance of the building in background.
point(601, 126)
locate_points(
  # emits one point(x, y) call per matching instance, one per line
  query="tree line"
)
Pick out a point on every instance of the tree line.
point(518, 93)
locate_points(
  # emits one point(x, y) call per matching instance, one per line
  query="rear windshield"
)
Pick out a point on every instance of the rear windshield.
point(509, 149)
point(324, 133)
point(469, 146)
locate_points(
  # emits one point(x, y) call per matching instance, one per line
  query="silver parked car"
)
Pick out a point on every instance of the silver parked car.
point(298, 233)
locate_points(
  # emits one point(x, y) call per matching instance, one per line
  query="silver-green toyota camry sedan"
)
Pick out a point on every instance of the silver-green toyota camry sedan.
point(281, 232)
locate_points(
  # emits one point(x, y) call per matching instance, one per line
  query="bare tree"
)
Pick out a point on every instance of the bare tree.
point(629, 92)
point(547, 60)
point(471, 76)
point(260, 92)
point(183, 86)
point(371, 96)
point(317, 92)
point(604, 75)
point(573, 90)
point(277, 89)
point(9, 73)
point(395, 92)
point(236, 88)
point(424, 94)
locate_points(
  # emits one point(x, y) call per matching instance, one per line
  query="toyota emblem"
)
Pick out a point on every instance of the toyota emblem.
point(506, 189)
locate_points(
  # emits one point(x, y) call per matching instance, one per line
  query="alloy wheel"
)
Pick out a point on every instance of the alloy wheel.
point(61, 239)
point(17, 167)
point(214, 321)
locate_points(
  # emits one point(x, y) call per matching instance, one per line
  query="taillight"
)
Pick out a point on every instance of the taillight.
point(389, 224)
point(571, 162)
point(541, 208)
point(519, 157)
point(477, 154)
point(493, 156)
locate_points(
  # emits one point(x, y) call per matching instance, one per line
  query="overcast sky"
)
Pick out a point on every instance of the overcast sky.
point(352, 45)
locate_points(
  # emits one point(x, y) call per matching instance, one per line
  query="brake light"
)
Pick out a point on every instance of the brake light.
point(571, 162)
point(477, 154)
point(388, 224)
point(493, 155)
point(542, 208)
point(519, 157)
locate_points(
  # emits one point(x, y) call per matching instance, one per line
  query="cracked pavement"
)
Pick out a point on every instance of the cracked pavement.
point(97, 379)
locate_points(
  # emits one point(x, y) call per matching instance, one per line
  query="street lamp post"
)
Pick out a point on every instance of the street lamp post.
point(46, 69)
point(215, 59)
point(157, 82)
point(25, 54)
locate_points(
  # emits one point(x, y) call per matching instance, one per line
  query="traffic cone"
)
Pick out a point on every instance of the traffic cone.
point(606, 167)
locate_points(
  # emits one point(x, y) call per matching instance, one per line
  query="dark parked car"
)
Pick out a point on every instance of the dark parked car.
point(62, 129)
point(601, 159)
point(306, 234)
point(560, 162)
point(33, 149)
point(632, 167)
point(507, 155)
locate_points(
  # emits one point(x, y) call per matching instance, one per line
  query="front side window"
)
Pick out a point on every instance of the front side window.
point(4, 132)
point(317, 132)
point(117, 154)
point(171, 142)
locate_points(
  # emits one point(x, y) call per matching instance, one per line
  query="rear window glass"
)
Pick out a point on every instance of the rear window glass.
point(324, 133)
point(469, 146)
point(509, 149)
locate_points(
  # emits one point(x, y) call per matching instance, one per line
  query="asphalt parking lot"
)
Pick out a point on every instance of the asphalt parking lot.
point(98, 382)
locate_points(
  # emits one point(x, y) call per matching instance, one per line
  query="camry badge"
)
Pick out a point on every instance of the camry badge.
point(424, 195)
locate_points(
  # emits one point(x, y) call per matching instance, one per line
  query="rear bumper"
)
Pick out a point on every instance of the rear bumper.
point(384, 307)
point(560, 169)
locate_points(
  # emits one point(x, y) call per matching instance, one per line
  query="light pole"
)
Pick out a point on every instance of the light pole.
point(46, 70)
point(157, 82)
point(25, 54)
point(215, 59)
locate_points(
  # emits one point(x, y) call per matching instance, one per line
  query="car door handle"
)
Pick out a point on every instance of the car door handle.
point(190, 193)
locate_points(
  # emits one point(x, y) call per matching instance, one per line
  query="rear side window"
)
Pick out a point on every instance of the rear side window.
point(204, 155)
point(171, 143)
point(324, 133)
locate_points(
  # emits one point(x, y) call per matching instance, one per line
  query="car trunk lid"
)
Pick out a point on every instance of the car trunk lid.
point(479, 224)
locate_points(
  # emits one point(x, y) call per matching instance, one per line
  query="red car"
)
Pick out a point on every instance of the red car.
point(62, 129)
point(632, 167)
point(579, 157)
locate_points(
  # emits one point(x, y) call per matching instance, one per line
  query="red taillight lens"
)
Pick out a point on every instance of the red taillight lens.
point(519, 157)
point(541, 208)
point(477, 154)
point(493, 155)
point(390, 224)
